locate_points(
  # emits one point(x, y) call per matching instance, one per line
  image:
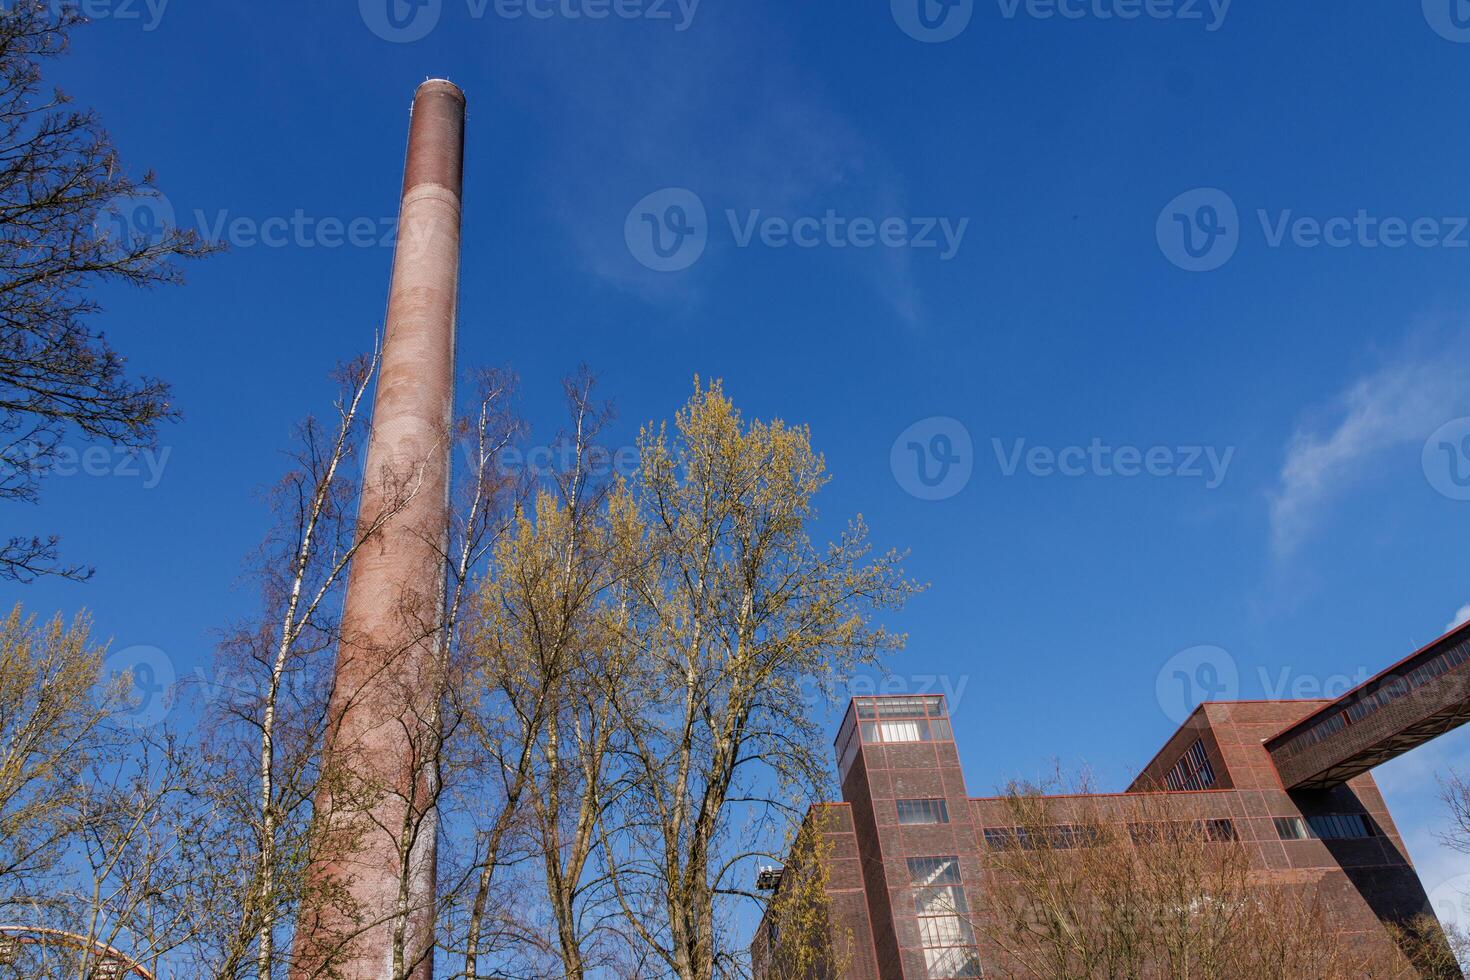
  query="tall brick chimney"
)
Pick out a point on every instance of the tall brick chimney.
point(384, 703)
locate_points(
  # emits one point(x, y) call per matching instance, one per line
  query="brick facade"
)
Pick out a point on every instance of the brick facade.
point(892, 856)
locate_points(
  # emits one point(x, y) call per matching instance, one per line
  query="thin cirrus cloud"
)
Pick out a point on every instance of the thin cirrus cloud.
point(1392, 408)
point(651, 111)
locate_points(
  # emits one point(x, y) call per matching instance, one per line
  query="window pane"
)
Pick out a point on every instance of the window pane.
point(952, 962)
point(1291, 828)
point(1347, 826)
point(940, 900)
point(907, 707)
point(922, 812)
point(935, 870)
point(900, 731)
point(946, 930)
point(1192, 771)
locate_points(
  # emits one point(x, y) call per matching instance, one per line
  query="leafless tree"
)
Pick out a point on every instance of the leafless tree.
point(1144, 886)
point(532, 668)
point(1455, 791)
point(1436, 951)
point(63, 233)
point(271, 688)
point(486, 498)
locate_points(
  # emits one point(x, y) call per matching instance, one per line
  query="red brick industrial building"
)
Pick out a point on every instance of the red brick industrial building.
point(1288, 779)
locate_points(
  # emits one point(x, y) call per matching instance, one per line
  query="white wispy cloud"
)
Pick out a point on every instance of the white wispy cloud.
point(1394, 406)
point(1461, 617)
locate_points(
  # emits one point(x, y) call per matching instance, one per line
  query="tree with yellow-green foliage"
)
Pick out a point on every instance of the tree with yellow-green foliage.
point(742, 626)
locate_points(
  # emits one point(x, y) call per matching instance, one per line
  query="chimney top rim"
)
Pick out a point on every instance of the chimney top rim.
point(441, 85)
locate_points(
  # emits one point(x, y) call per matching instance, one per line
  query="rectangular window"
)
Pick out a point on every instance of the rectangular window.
point(944, 924)
point(1060, 837)
point(1387, 691)
point(934, 871)
point(931, 707)
point(1193, 771)
point(1213, 831)
point(952, 961)
point(890, 732)
point(912, 812)
point(1291, 828)
point(847, 754)
point(1328, 826)
point(939, 900)
point(1219, 831)
point(1001, 838)
point(900, 731)
point(1345, 826)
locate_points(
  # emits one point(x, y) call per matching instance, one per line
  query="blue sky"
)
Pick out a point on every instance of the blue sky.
point(1067, 157)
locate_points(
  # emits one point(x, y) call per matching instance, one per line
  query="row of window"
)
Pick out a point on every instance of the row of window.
point(1066, 836)
point(1329, 826)
point(932, 707)
point(1215, 831)
point(1060, 837)
point(1193, 771)
point(1431, 669)
point(928, 730)
point(847, 751)
point(1388, 691)
point(917, 812)
point(920, 709)
point(944, 925)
